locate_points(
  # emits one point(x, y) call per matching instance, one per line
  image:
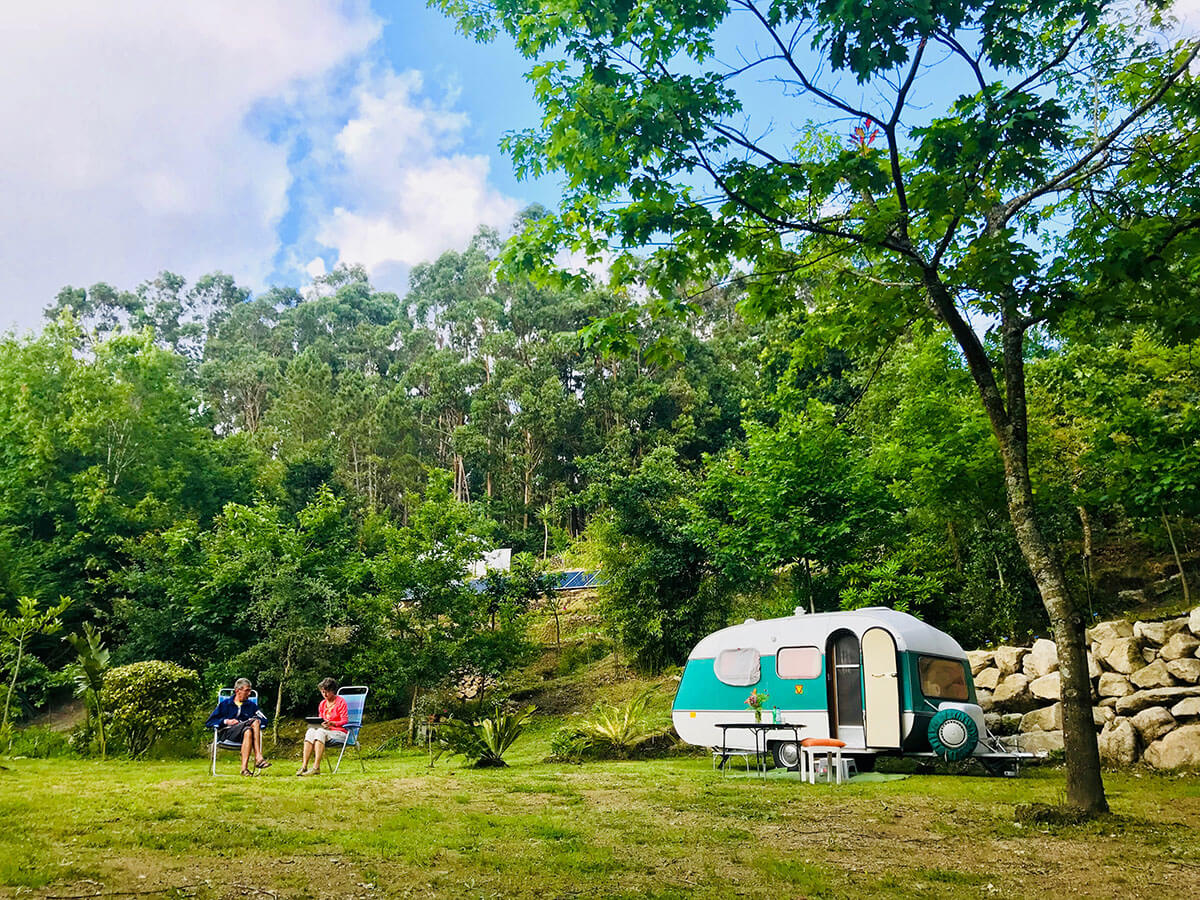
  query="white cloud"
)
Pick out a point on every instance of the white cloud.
point(127, 144)
point(406, 195)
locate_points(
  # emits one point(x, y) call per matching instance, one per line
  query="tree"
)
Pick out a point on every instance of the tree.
point(29, 620)
point(1063, 115)
point(90, 667)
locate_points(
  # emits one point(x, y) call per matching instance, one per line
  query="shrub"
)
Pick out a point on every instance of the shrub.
point(38, 742)
point(483, 742)
point(148, 699)
point(611, 731)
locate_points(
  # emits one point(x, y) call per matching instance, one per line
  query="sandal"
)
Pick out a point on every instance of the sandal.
point(302, 773)
point(247, 773)
point(310, 772)
point(265, 764)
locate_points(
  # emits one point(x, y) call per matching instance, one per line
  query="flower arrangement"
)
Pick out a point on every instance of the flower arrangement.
point(756, 701)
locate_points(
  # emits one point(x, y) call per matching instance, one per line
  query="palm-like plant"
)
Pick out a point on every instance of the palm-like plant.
point(89, 671)
point(484, 742)
point(621, 727)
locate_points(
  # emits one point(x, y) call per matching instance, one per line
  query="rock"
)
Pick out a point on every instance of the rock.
point(1041, 741)
point(1186, 670)
point(1012, 694)
point(1102, 715)
point(1042, 659)
point(1048, 718)
point(1179, 646)
point(1008, 659)
point(1186, 709)
point(988, 678)
point(1109, 631)
point(1118, 743)
point(1136, 702)
point(1159, 632)
point(1109, 702)
point(1149, 654)
point(984, 699)
point(1153, 723)
point(1011, 722)
point(1048, 687)
point(1114, 685)
point(1094, 670)
point(980, 660)
point(1194, 622)
point(1154, 675)
point(1122, 655)
point(1179, 749)
point(997, 725)
point(1131, 598)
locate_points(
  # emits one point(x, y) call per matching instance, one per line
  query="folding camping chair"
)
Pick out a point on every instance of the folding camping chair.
point(356, 699)
point(224, 694)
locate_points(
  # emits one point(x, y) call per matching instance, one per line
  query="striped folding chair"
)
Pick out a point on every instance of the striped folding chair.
point(356, 699)
point(236, 746)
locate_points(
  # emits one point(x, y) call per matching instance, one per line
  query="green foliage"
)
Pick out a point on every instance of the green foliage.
point(29, 620)
point(483, 742)
point(660, 595)
point(148, 700)
point(91, 665)
point(616, 731)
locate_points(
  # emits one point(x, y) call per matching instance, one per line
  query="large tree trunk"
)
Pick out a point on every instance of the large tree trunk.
point(1085, 788)
point(1007, 416)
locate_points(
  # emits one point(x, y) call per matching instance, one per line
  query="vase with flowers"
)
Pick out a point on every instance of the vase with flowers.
point(756, 702)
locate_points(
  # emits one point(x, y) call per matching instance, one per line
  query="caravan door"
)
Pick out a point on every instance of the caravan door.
point(881, 689)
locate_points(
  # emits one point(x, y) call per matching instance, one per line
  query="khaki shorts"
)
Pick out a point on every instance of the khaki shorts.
point(324, 735)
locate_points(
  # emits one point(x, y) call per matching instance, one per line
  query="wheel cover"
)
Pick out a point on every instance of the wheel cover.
point(953, 734)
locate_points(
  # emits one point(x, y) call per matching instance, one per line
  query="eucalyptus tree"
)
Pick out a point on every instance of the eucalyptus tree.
point(947, 160)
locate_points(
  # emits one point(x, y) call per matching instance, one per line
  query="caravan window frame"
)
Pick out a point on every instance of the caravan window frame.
point(925, 661)
point(818, 658)
point(721, 674)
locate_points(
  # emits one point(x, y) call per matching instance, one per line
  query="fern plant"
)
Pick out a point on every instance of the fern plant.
point(483, 742)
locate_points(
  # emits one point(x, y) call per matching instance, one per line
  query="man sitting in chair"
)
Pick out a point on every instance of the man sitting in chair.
point(328, 725)
point(237, 718)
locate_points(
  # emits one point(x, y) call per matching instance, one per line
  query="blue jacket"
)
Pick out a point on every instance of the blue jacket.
point(227, 709)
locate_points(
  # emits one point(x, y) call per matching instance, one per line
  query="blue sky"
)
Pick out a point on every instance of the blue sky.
point(270, 140)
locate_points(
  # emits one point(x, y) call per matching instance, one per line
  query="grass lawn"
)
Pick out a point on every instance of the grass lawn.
point(661, 828)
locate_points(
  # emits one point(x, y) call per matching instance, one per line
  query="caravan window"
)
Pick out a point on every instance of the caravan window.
point(942, 678)
point(737, 667)
point(798, 662)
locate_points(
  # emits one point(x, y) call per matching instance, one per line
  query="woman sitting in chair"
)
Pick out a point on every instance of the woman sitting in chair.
point(333, 715)
point(238, 720)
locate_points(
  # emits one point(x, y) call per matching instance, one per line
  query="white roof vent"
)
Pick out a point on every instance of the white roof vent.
point(750, 621)
point(800, 611)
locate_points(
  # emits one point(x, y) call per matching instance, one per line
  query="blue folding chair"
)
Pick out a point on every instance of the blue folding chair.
point(356, 699)
point(236, 746)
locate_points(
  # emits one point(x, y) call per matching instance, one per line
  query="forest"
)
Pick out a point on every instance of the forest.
point(296, 482)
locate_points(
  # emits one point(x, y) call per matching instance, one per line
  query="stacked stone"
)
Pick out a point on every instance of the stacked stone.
point(1145, 688)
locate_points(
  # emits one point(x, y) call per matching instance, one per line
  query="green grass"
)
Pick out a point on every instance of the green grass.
point(656, 828)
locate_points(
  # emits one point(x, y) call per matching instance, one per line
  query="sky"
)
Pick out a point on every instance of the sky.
point(270, 140)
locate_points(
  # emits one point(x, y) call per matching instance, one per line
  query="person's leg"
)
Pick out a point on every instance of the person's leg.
point(256, 727)
point(247, 743)
point(308, 749)
point(318, 753)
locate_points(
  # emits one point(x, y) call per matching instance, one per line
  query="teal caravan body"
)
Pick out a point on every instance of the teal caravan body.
point(880, 680)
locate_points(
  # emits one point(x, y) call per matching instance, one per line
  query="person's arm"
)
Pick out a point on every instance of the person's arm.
point(255, 712)
point(218, 717)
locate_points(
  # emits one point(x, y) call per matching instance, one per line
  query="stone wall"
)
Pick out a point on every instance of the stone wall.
point(1145, 691)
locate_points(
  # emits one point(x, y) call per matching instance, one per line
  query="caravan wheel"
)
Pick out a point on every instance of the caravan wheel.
point(786, 755)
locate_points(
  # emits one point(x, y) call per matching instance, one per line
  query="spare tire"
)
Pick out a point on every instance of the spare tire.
point(953, 734)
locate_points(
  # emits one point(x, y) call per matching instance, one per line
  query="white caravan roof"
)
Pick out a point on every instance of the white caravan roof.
point(767, 635)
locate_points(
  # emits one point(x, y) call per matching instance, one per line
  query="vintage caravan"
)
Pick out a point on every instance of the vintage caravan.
point(879, 680)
